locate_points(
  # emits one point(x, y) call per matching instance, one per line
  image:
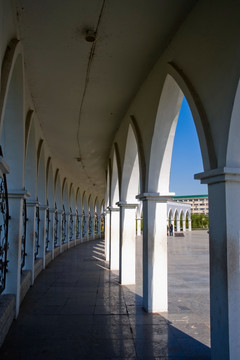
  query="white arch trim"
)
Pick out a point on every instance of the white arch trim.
point(13, 50)
point(233, 159)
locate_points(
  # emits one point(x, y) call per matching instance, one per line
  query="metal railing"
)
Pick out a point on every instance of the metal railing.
point(70, 225)
point(77, 225)
point(64, 223)
point(24, 234)
point(47, 228)
point(56, 227)
point(83, 224)
point(4, 217)
point(37, 223)
point(89, 224)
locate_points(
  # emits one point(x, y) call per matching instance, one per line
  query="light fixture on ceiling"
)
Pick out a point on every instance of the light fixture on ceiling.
point(90, 36)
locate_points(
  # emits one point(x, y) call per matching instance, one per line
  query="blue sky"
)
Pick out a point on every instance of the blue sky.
point(186, 157)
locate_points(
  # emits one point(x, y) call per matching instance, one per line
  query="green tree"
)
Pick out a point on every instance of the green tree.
point(199, 221)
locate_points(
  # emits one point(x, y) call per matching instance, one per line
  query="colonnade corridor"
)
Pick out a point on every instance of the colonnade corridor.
point(78, 310)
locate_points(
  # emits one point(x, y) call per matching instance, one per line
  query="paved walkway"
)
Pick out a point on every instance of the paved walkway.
point(77, 309)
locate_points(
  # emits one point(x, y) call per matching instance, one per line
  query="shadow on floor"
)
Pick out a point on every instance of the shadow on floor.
point(78, 310)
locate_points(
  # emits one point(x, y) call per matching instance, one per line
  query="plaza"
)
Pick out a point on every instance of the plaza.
point(78, 310)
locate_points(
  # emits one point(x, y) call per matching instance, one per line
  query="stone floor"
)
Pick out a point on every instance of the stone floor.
point(78, 310)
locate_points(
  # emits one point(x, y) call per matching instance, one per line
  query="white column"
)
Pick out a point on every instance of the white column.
point(30, 238)
point(224, 236)
point(98, 225)
point(91, 225)
point(155, 286)
point(189, 224)
point(127, 273)
point(87, 219)
point(114, 238)
point(107, 234)
point(139, 220)
point(13, 279)
point(184, 224)
point(42, 233)
point(178, 225)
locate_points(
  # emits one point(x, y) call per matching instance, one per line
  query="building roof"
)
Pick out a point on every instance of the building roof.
point(189, 196)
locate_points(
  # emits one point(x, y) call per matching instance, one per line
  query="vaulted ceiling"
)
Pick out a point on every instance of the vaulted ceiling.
point(82, 89)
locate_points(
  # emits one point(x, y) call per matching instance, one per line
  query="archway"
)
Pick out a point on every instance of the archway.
point(155, 288)
point(13, 148)
point(130, 184)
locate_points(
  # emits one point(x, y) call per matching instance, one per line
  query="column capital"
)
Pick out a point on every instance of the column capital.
point(18, 194)
point(156, 197)
point(111, 208)
point(32, 203)
point(60, 212)
point(214, 176)
point(43, 207)
point(52, 210)
point(126, 204)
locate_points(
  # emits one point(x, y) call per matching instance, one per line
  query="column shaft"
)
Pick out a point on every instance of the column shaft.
point(114, 239)
point(13, 279)
point(107, 235)
point(155, 287)
point(127, 273)
point(30, 240)
point(42, 233)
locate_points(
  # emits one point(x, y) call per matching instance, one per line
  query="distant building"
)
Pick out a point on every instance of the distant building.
point(199, 203)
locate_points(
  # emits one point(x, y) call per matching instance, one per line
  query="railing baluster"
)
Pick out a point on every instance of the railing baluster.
point(47, 228)
point(55, 227)
point(37, 222)
point(24, 234)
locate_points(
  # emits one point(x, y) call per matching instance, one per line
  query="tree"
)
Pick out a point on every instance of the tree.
point(199, 221)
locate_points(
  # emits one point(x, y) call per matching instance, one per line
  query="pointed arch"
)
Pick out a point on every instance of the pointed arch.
point(108, 185)
point(12, 114)
point(13, 51)
point(114, 197)
point(57, 190)
point(72, 198)
point(65, 194)
point(85, 202)
point(131, 172)
point(78, 201)
point(50, 183)
point(175, 87)
point(30, 172)
point(233, 159)
point(41, 173)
